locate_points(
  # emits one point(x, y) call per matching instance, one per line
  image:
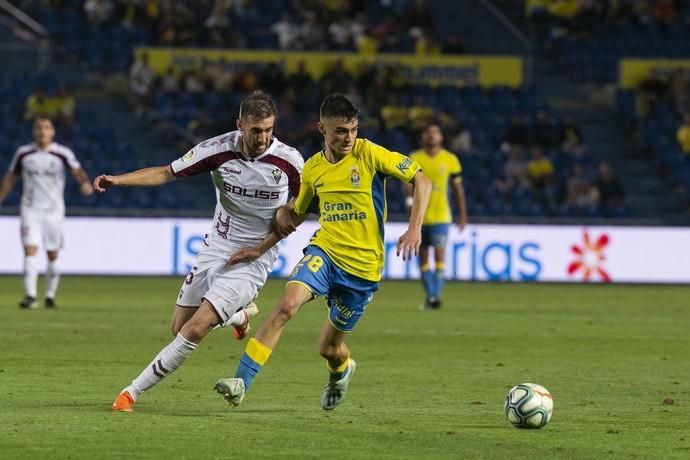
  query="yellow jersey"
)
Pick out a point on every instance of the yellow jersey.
point(352, 201)
point(441, 169)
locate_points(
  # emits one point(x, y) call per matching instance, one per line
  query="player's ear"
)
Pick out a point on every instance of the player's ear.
point(238, 122)
point(322, 130)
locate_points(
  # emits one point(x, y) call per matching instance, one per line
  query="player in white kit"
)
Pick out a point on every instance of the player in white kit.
point(42, 165)
point(254, 174)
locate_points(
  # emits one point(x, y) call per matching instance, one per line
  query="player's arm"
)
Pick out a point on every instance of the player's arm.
point(459, 195)
point(156, 175)
point(409, 242)
point(289, 220)
point(84, 182)
point(6, 185)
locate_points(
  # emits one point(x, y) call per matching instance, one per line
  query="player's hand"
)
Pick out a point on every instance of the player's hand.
point(103, 182)
point(462, 222)
point(408, 244)
point(244, 255)
point(283, 223)
point(86, 188)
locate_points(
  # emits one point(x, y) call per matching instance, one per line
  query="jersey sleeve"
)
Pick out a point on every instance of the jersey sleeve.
point(71, 160)
point(455, 170)
point(306, 192)
point(199, 160)
point(393, 163)
point(15, 165)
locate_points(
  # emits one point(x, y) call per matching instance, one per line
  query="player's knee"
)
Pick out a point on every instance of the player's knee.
point(287, 308)
point(328, 351)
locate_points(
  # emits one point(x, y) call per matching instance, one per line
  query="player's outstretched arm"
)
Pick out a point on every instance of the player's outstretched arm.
point(84, 182)
point(6, 185)
point(156, 175)
point(409, 242)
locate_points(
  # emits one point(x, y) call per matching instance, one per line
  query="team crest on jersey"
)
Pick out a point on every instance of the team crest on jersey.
point(188, 156)
point(277, 174)
point(354, 176)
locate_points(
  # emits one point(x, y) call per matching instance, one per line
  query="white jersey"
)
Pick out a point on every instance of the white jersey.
point(43, 175)
point(249, 191)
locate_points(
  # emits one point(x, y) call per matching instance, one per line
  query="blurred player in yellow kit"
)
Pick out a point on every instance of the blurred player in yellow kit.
point(344, 259)
point(443, 168)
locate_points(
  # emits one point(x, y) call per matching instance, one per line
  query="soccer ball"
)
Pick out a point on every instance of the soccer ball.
point(529, 405)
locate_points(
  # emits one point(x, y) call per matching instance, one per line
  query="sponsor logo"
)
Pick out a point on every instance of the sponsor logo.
point(589, 258)
point(249, 193)
point(231, 170)
point(340, 212)
point(404, 165)
point(187, 156)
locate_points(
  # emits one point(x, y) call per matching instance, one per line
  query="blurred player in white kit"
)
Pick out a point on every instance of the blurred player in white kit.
point(42, 165)
point(254, 174)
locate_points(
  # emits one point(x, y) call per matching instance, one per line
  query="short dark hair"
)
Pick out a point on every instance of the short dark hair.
point(338, 105)
point(257, 105)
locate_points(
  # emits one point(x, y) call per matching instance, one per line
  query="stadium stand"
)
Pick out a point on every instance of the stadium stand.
point(522, 156)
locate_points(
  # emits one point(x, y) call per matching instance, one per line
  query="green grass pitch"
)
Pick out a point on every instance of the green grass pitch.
point(428, 384)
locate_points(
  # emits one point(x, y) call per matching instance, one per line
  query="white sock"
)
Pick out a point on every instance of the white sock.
point(170, 358)
point(235, 320)
point(52, 279)
point(30, 275)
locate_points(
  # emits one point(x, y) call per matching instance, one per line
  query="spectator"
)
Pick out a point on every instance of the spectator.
point(170, 81)
point(65, 106)
point(247, 80)
point(300, 81)
point(311, 33)
point(610, 192)
point(514, 172)
point(338, 77)
point(272, 79)
point(680, 90)
point(453, 45)
point(517, 133)
point(544, 131)
point(652, 89)
point(683, 134)
point(141, 79)
point(571, 136)
point(287, 32)
point(539, 169)
point(222, 77)
point(581, 194)
point(462, 140)
point(426, 44)
point(98, 11)
point(367, 44)
point(393, 114)
point(420, 114)
point(340, 34)
point(665, 11)
point(218, 24)
point(38, 105)
point(193, 82)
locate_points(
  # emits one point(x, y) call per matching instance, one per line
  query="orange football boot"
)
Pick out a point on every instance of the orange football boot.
point(123, 402)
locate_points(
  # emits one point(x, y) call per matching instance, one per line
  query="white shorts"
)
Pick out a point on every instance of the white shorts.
point(227, 289)
point(42, 229)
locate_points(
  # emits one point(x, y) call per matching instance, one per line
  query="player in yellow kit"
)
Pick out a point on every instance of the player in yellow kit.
point(443, 168)
point(344, 259)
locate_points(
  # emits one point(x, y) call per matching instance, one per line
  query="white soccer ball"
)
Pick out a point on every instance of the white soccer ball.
point(529, 405)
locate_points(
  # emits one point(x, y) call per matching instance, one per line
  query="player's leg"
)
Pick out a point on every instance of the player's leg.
point(310, 278)
point(426, 274)
point(171, 357)
point(52, 279)
point(31, 238)
point(52, 242)
point(260, 347)
point(439, 241)
point(347, 303)
point(180, 316)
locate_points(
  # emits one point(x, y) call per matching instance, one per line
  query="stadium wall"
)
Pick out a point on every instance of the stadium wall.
point(631, 72)
point(167, 246)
